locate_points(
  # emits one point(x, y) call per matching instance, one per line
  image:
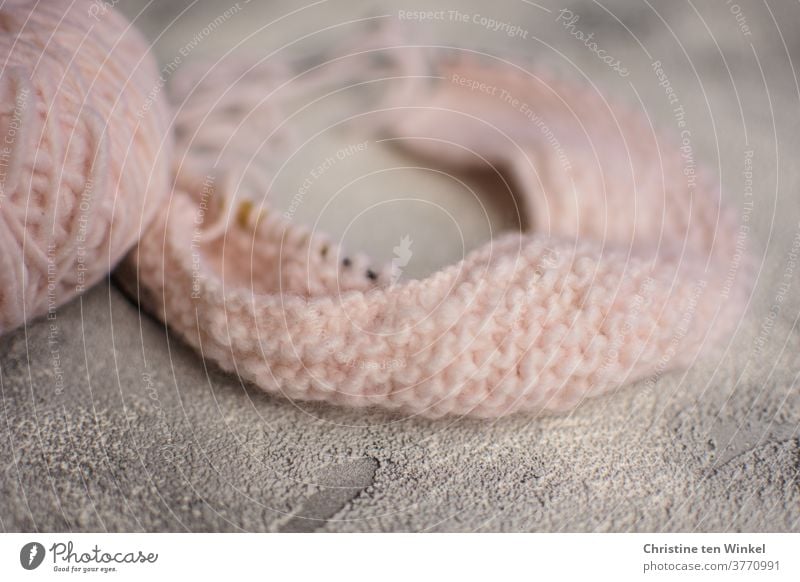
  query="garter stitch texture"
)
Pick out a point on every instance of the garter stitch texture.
point(84, 155)
point(627, 270)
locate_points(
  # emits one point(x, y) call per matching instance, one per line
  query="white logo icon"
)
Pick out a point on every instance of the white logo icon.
point(402, 255)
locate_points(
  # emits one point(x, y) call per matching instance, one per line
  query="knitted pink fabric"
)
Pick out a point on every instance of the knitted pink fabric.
point(629, 267)
point(83, 153)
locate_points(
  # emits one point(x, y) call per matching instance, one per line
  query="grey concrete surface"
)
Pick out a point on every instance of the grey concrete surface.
point(109, 423)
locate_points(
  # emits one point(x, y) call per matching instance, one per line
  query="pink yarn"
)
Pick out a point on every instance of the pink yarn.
point(84, 156)
point(628, 270)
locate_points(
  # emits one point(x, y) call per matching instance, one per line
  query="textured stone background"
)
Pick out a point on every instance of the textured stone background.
point(143, 436)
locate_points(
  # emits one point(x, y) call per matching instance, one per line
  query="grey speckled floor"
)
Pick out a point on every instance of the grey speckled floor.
point(137, 434)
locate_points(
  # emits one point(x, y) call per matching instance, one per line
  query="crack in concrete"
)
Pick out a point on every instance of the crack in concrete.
point(340, 484)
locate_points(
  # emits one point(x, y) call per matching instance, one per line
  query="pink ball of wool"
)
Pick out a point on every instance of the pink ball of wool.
point(629, 269)
point(84, 158)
